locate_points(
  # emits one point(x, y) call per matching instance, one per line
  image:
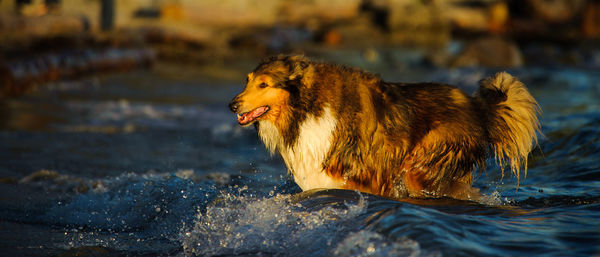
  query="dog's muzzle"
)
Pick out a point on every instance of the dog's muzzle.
point(234, 106)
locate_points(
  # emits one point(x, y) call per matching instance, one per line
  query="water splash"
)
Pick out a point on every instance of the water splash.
point(368, 243)
point(272, 226)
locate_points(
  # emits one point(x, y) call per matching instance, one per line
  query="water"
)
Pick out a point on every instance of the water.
point(145, 163)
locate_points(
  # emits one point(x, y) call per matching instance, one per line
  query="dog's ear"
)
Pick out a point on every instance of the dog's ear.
point(297, 66)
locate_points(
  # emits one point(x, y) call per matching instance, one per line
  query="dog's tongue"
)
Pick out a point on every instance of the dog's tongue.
point(248, 117)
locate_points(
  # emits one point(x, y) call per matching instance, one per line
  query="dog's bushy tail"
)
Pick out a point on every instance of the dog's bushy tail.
point(511, 118)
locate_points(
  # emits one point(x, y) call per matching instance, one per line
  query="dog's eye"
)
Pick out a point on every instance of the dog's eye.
point(262, 85)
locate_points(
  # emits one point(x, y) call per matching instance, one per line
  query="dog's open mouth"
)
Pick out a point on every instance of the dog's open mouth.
point(248, 117)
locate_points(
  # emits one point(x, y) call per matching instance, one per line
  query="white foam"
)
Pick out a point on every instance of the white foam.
point(238, 225)
point(369, 243)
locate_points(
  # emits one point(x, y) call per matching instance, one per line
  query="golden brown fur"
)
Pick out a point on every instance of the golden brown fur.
point(340, 127)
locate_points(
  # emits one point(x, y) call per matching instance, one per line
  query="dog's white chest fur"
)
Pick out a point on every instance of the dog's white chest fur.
point(305, 158)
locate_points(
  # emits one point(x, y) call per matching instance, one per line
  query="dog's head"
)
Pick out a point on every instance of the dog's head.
point(268, 89)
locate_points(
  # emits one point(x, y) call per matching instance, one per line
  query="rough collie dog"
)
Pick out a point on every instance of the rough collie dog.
point(340, 127)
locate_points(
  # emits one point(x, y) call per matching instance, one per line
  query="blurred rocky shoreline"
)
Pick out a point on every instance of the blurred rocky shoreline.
point(385, 36)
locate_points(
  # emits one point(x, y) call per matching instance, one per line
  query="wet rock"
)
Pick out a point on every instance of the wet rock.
point(82, 187)
point(41, 175)
point(8, 181)
point(22, 73)
point(489, 52)
point(266, 40)
point(17, 27)
point(482, 16)
point(558, 11)
point(418, 22)
point(90, 251)
point(591, 20)
point(6, 81)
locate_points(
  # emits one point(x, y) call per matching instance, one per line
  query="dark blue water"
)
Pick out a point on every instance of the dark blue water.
point(148, 163)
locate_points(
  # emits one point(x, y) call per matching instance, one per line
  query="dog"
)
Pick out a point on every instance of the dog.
point(345, 128)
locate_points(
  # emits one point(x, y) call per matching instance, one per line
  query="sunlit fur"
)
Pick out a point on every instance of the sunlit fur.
point(340, 127)
point(305, 156)
point(515, 123)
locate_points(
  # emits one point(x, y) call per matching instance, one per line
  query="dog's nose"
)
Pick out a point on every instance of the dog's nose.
point(234, 105)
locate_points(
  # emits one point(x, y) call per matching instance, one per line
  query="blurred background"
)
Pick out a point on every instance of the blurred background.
point(116, 139)
point(44, 40)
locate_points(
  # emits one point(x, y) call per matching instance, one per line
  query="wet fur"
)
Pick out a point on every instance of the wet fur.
point(341, 127)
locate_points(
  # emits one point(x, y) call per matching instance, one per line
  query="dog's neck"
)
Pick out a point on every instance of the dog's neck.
point(305, 157)
point(270, 135)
